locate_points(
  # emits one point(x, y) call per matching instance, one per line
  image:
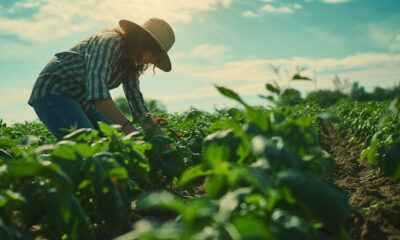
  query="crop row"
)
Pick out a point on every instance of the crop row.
point(375, 127)
point(261, 171)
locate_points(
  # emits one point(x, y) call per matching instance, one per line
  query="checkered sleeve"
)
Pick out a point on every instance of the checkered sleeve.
point(101, 59)
point(134, 97)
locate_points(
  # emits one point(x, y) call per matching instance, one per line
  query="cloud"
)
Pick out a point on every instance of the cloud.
point(55, 19)
point(270, 8)
point(382, 34)
point(199, 93)
point(207, 50)
point(336, 1)
point(298, 6)
point(41, 30)
point(395, 47)
point(287, 9)
point(249, 14)
point(259, 70)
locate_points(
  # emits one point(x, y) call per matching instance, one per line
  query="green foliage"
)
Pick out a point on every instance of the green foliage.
point(255, 173)
point(290, 97)
point(374, 126)
point(261, 171)
point(325, 98)
point(80, 187)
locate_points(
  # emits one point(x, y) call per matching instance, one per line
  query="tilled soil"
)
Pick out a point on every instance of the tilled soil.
point(376, 196)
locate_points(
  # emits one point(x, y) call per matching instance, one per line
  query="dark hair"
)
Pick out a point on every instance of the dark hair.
point(136, 43)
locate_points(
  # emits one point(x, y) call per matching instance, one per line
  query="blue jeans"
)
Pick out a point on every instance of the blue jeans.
point(61, 111)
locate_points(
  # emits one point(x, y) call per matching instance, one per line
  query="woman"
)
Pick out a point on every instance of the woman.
point(73, 88)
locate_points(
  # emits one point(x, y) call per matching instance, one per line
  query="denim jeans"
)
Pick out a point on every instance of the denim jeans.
point(61, 111)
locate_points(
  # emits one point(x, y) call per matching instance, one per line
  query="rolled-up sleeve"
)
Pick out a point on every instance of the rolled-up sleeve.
point(101, 60)
point(134, 97)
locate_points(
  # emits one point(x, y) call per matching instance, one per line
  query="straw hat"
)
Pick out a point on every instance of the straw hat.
point(161, 32)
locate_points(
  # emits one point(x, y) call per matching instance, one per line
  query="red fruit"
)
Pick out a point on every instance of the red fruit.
point(161, 120)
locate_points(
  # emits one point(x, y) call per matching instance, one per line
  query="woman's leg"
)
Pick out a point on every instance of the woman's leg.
point(60, 111)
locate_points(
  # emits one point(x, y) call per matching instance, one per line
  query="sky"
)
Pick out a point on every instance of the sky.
point(231, 43)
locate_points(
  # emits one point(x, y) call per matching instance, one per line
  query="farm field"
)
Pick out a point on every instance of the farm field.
point(240, 173)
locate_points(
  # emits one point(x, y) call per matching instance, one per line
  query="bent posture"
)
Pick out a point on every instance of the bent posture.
point(73, 88)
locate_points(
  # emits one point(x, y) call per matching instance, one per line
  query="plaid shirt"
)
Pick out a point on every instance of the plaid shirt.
point(88, 71)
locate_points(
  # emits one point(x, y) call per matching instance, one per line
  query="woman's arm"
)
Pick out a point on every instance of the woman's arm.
point(110, 110)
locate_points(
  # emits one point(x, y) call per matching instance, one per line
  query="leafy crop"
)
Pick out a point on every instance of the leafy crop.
point(262, 180)
point(376, 126)
point(261, 171)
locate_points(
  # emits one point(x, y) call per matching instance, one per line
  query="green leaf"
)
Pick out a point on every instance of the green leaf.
point(231, 94)
point(107, 199)
point(322, 200)
point(252, 129)
point(289, 226)
point(7, 142)
point(145, 229)
point(216, 185)
point(272, 99)
point(199, 213)
point(299, 77)
point(230, 202)
point(110, 197)
point(394, 106)
point(273, 89)
point(41, 168)
point(65, 151)
point(169, 167)
point(67, 215)
point(109, 130)
point(370, 152)
point(252, 228)
point(262, 119)
point(223, 139)
point(85, 150)
point(119, 173)
point(234, 113)
point(192, 115)
point(391, 161)
point(193, 173)
point(259, 174)
point(214, 156)
point(276, 152)
point(77, 134)
point(14, 196)
point(3, 200)
point(161, 200)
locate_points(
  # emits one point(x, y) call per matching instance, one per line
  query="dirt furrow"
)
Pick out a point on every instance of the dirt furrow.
point(376, 196)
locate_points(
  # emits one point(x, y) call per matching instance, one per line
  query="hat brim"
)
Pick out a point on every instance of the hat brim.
point(165, 62)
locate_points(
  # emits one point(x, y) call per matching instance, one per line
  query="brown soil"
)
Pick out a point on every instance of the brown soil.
point(376, 196)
